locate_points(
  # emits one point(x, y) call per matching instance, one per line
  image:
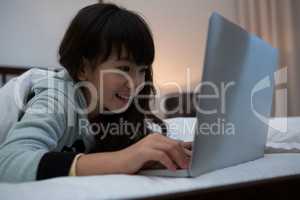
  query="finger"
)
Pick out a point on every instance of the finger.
point(149, 164)
point(175, 151)
point(187, 145)
point(164, 159)
point(188, 152)
point(173, 148)
point(157, 165)
point(180, 146)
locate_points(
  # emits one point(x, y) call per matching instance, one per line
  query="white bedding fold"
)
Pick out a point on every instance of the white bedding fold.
point(131, 186)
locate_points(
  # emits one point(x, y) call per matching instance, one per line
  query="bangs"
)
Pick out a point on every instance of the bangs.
point(126, 31)
point(98, 31)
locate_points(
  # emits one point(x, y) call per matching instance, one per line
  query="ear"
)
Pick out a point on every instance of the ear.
point(83, 72)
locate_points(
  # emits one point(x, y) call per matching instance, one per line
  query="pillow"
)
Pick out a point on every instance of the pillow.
point(284, 135)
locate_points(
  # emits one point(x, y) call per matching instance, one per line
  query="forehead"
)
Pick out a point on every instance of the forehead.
point(122, 58)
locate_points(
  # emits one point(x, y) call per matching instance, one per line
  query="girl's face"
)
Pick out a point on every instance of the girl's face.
point(116, 82)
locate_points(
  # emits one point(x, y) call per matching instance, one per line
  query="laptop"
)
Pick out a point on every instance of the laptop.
point(234, 100)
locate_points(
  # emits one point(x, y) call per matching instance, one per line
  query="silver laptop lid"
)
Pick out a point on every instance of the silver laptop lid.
point(238, 83)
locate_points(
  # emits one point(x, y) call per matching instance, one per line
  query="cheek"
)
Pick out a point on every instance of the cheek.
point(140, 82)
point(111, 84)
point(142, 79)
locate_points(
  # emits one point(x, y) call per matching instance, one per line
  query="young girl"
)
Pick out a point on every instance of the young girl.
point(68, 127)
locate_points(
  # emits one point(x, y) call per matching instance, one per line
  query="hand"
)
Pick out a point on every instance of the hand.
point(157, 165)
point(170, 153)
point(187, 148)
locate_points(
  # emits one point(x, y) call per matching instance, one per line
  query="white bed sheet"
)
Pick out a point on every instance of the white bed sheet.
point(134, 186)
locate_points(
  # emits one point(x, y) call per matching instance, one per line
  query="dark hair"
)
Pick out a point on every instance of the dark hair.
point(94, 33)
point(99, 29)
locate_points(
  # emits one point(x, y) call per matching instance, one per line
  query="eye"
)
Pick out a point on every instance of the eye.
point(143, 70)
point(124, 68)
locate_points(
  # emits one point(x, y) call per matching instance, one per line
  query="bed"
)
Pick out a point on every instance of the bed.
point(253, 178)
point(276, 175)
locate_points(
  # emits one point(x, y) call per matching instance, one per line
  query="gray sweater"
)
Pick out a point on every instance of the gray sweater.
point(41, 144)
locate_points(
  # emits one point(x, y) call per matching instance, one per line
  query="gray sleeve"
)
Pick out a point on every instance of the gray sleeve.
point(38, 132)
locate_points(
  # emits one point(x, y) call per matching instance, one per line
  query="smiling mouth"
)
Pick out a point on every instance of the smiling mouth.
point(123, 97)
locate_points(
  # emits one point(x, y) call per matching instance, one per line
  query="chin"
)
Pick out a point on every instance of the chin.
point(117, 109)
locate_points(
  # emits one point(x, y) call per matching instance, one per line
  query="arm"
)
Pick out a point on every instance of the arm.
point(27, 155)
point(33, 138)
